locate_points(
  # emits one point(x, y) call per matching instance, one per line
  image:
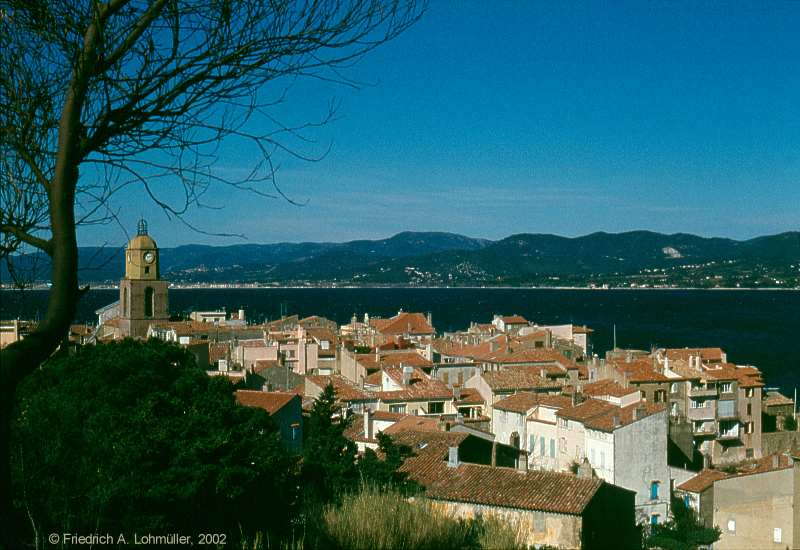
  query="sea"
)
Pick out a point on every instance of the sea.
point(755, 327)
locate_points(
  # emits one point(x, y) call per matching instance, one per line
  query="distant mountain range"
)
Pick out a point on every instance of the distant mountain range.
point(636, 258)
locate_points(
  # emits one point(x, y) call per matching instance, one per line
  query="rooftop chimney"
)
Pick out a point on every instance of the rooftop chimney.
point(406, 374)
point(367, 423)
point(452, 457)
point(522, 461)
point(429, 318)
point(585, 469)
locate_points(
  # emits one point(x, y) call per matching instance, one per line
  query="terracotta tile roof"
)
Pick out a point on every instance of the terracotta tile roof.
point(263, 364)
point(271, 402)
point(403, 323)
point(518, 378)
point(702, 481)
point(345, 390)
point(470, 396)
point(576, 329)
point(410, 358)
point(640, 370)
point(777, 399)
point(522, 402)
point(374, 379)
point(747, 377)
point(601, 415)
point(706, 354)
point(420, 387)
point(415, 424)
point(217, 351)
point(768, 463)
point(387, 416)
point(255, 343)
point(514, 320)
point(493, 486)
point(607, 387)
point(530, 356)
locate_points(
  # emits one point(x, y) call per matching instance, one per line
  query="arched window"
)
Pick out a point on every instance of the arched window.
point(149, 299)
point(125, 306)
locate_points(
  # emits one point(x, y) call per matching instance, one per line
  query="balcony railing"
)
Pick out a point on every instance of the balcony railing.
point(709, 428)
point(701, 391)
point(702, 413)
point(729, 435)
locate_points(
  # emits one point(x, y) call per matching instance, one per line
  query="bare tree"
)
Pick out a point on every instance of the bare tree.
point(95, 96)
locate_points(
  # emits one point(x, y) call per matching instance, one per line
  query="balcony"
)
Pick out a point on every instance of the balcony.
point(701, 391)
point(729, 435)
point(702, 413)
point(707, 429)
point(729, 430)
point(727, 409)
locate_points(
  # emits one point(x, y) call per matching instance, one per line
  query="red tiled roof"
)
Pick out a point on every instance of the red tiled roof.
point(600, 415)
point(217, 351)
point(409, 358)
point(640, 370)
point(607, 387)
point(420, 387)
point(702, 481)
point(470, 396)
point(271, 402)
point(518, 378)
point(706, 354)
point(747, 377)
point(345, 390)
point(493, 486)
point(514, 320)
point(403, 323)
point(522, 402)
point(415, 424)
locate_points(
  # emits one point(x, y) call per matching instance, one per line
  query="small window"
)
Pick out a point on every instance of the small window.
point(532, 444)
point(749, 409)
point(726, 387)
point(673, 388)
point(749, 392)
point(146, 269)
point(687, 501)
point(654, 519)
point(436, 407)
point(654, 490)
point(552, 448)
point(602, 459)
point(562, 445)
point(541, 446)
point(731, 526)
point(399, 408)
point(776, 534)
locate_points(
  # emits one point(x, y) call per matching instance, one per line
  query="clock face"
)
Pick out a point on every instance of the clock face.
point(149, 257)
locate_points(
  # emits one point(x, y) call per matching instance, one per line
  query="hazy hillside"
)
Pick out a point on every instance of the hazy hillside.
point(636, 257)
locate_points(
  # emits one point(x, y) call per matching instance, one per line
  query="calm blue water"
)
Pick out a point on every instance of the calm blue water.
point(754, 327)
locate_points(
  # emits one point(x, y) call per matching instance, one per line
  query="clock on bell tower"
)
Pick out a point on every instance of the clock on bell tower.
point(143, 295)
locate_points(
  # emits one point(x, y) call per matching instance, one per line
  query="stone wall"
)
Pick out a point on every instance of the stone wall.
point(777, 442)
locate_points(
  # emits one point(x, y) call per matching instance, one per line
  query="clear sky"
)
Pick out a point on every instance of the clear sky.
point(494, 118)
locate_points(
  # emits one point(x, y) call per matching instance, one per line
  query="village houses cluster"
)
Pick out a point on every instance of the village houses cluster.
point(508, 417)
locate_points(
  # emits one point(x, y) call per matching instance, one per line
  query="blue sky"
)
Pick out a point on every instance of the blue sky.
point(494, 118)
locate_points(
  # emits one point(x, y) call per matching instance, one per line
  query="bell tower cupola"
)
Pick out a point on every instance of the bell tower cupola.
point(141, 256)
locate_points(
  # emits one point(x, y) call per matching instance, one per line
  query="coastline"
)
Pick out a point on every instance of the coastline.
point(234, 286)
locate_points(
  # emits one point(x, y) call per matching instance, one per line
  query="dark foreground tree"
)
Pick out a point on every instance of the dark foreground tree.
point(329, 458)
point(96, 96)
point(683, 531)
point(135, 438)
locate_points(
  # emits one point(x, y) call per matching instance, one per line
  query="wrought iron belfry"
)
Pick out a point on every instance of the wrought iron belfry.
point(141, 227)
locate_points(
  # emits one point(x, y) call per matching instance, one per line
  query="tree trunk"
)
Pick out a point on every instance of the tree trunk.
point(20, 359)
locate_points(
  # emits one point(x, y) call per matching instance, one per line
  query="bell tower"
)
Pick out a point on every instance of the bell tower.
point(143, 295)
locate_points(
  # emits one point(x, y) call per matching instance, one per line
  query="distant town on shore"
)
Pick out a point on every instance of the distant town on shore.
point(636, 259)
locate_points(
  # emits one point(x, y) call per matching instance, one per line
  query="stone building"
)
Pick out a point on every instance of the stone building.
point(143, 294)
